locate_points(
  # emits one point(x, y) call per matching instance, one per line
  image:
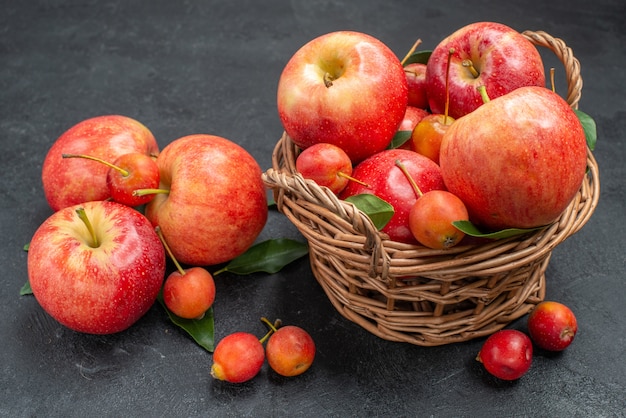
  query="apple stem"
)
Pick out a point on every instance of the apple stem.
point(483, 93)
point(83, 217)
point(144, 192)
point(124, 173)
point(552, 80)
point(447, 105)
point(411, 51)
point(157, 229)
point(416, 188)
point(328, 80)
point(362, 183)
point(470, 66)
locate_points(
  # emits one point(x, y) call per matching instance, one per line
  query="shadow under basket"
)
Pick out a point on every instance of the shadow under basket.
point(409, 293)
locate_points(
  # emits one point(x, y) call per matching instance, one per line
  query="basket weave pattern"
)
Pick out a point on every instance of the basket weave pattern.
point(409, 293)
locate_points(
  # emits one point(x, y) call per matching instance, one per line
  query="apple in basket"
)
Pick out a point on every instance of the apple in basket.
point(382, 176)
point(70, 181)
point(517, 161)
point(345, 88)
point(485, 53)
point(96, 267)
point(211, 204)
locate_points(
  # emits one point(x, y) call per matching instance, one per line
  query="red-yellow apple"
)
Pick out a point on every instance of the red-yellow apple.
point(96, 267)
point(516, 161)
point(552, 325)
point(344, 88)
point(216, 204)
point(427, 135)
point(290, 351)
point(67, 182)
point(383, 178)
point(484, 53)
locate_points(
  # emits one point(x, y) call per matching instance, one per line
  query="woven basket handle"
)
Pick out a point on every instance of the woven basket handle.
point(566, 56)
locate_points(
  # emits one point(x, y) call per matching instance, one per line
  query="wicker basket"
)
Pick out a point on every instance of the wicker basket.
point(409, 293)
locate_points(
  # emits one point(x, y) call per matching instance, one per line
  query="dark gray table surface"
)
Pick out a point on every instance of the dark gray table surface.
point(213, 67)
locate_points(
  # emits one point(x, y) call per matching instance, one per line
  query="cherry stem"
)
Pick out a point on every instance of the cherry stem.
point(273, 327)
point(144, 192)
point(157, 229)
point(362, 183)
point(124, 173)
point(416, 188)
point(83, 217)
point(470, 66)
point(411, 51)
point(447, 106)
point(483, 93)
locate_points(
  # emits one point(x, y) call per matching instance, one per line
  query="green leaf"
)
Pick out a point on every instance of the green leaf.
point(419, 57)
point(399, 139)
point(201, 330)
point(268, 256)
point(26, 289)
point(379, 211)
point(470, 229)
point(26, 247)
point(589, 126)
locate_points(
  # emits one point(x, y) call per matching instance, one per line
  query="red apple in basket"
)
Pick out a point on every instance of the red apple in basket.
point(385, 179)
point(96, 267)
point(416, 82)
point(326, 164)
point(484, 53)
point(517, 161)
point(67, 182)
point(344, 88)
point(215, 203)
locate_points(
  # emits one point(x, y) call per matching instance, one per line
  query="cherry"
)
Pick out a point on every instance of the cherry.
point(507, 354)
point(237, 358)
point(290, 350)
point(127, 173)
point(552, 326)
point(187, 293)
point(326, 164)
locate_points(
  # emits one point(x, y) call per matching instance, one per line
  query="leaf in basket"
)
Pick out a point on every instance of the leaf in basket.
point(470, 229)
point(419, 57)
point(268, 256)
point(378, 210)
point(589, 126)
point(201, 330)
point(399, 139)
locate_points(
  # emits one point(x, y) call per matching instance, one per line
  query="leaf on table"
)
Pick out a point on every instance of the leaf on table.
point(269, 256)
point(378, 210)
point(470, 229)
point(26, 289)
point(201, 330)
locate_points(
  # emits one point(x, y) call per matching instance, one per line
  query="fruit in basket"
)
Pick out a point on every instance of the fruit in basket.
point(485, 53)
point(290, 351)
point(416, 83)
point(327, 165)
point(68, 182)
point(345, 88)
point(96, 267)
point(383, 178)
point(431, 217)
point(552, 326)
point(237, 358)
point(211, 204)
point(507, 354)
point(427, 135)
point(129, 172)
point(517, 161)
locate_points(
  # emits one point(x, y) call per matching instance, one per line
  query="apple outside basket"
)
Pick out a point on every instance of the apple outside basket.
point(453, 295)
